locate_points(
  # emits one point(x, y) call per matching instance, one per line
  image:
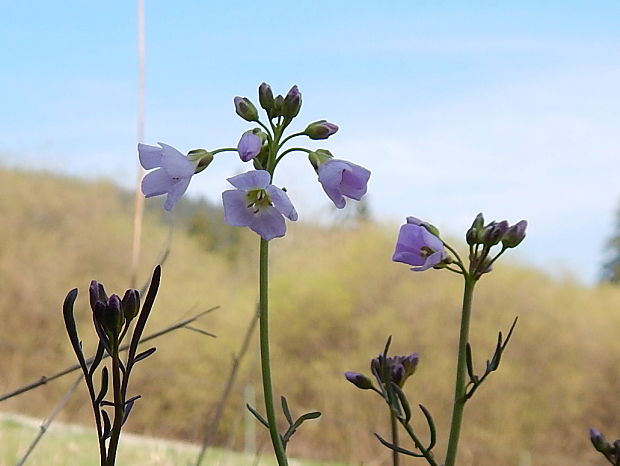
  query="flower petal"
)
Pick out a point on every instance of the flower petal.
point(175, 163)
point(236, 211)
point(150, 156)
point(156, 183)
point(281, 201)
point(255, 179)
point(176, 191)
point(330, 177)
point(269, 223)
point(354, 181)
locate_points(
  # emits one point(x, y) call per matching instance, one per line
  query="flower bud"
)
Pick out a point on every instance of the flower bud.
point(278, 106)
point(321, 129)
point(246, 109)
point(514, 235)
point(96, 293)
point(319, 156)
point(130, 304)
point(265, 98)
point(494, 232)
point(472, 234)
point(249, 146)
point(359, 380)
point(599, 442)
point(292, 103)
point(203, 157)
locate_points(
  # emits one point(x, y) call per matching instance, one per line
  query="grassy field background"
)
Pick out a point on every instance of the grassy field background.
point(336, 296)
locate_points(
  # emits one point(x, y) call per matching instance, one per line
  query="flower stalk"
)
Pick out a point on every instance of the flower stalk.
point(460, 384)
point(276, 440)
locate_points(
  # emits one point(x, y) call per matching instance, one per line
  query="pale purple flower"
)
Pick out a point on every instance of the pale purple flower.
point(359, 380)
point(257, 204)
point(341, 178)
point(249, 146)
point(418, 247)
point(173, 174)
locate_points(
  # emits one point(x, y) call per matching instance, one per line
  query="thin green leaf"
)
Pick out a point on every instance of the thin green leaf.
point(144, 355)
point(404, 403)
point(286, 411)
point(67, 312)
point(431, 427)
point(104, 385)
point(144, 313)
point(393, 447)
point(257, 415)
point(96, 359)
point(107, 426)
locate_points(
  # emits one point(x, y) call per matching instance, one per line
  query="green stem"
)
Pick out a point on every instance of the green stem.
point(291, 136)
point(427, 454)
point(276, 440)
point(119, 406)
point(460, 384)
point(394, 424)
point(224, 149)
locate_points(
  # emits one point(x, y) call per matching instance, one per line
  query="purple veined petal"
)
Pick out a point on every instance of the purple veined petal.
point(156, 183)
point(236, 211)
point(269, 223)
point(150, 156)
point(408, 257)
point(354, 181)
point(330, 177)
point(175, 192)
point(281, 201)
point(255, 179)
point(430, 262)
point(175, 163)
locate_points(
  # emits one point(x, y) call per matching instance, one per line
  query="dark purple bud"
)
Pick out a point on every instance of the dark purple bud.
point(410, 363)
point(321, 129)
point(265, 98)
point(494, 232)
point(96, 293)
point(398, 374)
point(246, 109)
point(278, 106)
point(292, 103)
point(599, 442)
point(514, 235)
point(130, 304)
point(359, 380)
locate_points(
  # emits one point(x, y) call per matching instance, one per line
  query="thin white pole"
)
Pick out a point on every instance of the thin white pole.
point(139, 198)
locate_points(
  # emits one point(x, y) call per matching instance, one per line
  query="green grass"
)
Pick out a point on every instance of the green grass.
point(66, 444)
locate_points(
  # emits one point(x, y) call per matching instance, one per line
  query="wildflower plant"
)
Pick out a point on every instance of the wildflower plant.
point(112, 317)
point(420, 245)
point(258, 203)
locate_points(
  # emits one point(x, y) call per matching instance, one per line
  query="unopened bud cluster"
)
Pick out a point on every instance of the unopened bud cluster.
point(396, 369)
point(112, 315)
point(481, 238)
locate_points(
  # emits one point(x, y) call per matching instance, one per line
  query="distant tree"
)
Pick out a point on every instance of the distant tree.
point(611, 267)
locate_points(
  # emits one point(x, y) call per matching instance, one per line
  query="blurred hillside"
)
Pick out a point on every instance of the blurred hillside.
point(336, 296)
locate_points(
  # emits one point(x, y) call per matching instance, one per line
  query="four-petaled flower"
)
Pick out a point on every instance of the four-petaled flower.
point(418, 247)
point(257, 204)
point(173, 175)
point(341, 178)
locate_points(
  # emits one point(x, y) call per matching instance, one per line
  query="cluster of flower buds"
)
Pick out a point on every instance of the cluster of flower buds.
point(481, 238)
point(611, 451)
point(112, 315)
point(386, 369)
point(495, 232)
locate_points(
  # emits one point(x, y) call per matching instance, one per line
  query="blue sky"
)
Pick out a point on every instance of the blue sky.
point(510, 108)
